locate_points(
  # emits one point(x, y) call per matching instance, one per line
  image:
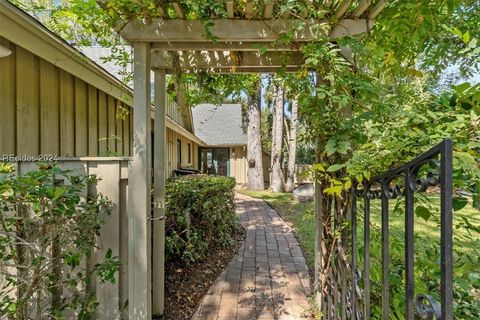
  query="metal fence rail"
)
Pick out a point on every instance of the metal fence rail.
point(346, 288)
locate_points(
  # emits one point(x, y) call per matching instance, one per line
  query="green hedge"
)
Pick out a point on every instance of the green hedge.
point(200, 214)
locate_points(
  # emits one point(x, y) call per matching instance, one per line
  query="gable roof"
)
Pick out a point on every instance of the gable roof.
point(219, 125)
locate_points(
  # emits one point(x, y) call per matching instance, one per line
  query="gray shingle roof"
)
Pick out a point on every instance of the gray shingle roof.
point(219, 125)
point(97, 55)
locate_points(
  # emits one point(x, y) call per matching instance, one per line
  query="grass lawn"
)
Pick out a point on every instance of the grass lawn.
point(427, 233)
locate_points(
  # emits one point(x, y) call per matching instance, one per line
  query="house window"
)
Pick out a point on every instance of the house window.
point(215, 161)
point(179, 152)
point(189, 153)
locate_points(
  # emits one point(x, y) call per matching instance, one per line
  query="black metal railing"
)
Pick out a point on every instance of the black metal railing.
point(346, 287)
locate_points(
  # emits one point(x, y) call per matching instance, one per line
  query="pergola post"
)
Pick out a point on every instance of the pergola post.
point(139, 197)
point(158, 268)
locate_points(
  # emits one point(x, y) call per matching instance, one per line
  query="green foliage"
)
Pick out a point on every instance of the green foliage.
point(48, 232)
point(427, 249)
point(427, 258)
point(200, 213)
point(218, 89)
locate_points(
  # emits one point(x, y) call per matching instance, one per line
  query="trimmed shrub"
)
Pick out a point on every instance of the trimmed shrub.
point(200, 213)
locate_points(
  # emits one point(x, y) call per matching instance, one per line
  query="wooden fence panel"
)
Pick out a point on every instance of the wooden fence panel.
point(113, 183)
point(108, 293)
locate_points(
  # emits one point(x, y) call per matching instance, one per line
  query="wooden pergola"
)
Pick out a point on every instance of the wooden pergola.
point(172, 43)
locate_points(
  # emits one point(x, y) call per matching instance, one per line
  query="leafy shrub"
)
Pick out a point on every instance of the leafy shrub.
point(48, 230)
point(466, 258)
point(200, 213)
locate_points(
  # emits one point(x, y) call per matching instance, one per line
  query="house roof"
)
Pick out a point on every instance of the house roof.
point(219, 125)
point(99, 54)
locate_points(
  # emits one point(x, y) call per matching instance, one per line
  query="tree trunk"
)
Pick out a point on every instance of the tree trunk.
point(277, 183)
point(292, 148)
point(254, 144)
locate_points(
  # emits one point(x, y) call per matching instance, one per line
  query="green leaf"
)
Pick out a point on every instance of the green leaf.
point(423, 212)
point(335, 167)
point(109, 253)
point(465, 158)
point(461, 88)
point(331, 146)
point(459, 203)
point(348, 184)
point(334, 190)
point(476, 201)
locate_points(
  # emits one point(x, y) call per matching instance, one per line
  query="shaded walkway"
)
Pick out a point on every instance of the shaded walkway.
point(268, 279)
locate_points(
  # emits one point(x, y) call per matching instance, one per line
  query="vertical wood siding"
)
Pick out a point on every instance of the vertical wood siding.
point(7, 102)
point(45, 110)
point(238, 164)
point(49, 109)
point(81, 117)
point(172, 160)
point(27, 102)
point(92, 121)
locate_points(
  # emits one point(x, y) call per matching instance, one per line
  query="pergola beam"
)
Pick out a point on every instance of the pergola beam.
point(342, 8)
point(230, 30)
point(361, 8)
point(268, 12)
point(249, 10)
point(239, 70)
point(230, 12)
point(222, 46)
point(348, 28)
point(377, 9)
point(161, 10)
point(178, 9)
point(227, 60)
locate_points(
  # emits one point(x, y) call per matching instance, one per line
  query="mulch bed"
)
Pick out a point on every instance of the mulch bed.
point(185, 286)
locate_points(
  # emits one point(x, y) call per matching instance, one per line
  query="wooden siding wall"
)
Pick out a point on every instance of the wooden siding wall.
point(45, 110)
point(172, 152)
point(174, 112)
point(238, 164)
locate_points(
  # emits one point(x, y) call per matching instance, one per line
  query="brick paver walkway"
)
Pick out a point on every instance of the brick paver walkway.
point(268, 279)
